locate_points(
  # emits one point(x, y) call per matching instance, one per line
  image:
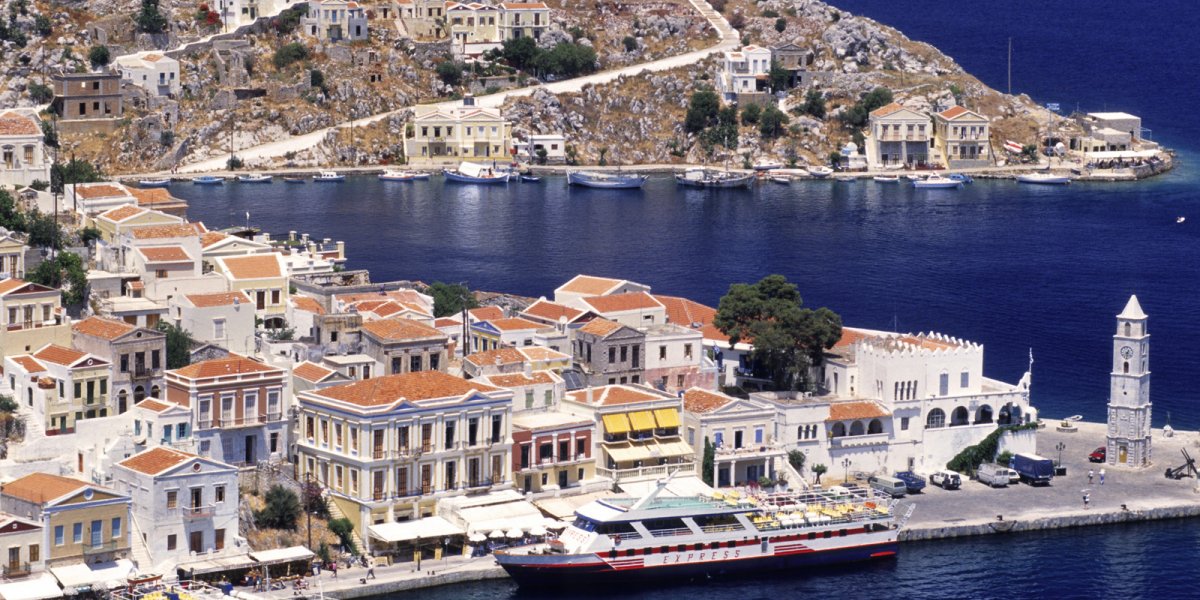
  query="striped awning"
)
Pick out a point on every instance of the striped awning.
point(624, 454)
point(666, 449)
point(642, 420)
point(666, 417)
point(616, 423)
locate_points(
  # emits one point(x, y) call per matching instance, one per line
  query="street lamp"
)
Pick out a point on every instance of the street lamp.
point(1060, 447)
point(846, 469)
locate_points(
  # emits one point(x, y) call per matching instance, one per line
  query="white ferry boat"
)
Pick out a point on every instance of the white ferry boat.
point(615, 540)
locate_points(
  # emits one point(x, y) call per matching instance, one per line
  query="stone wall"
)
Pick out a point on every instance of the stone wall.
point(1054, 522)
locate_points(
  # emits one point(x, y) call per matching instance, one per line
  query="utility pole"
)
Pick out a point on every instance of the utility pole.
point(1009, 66)
point(307, 508)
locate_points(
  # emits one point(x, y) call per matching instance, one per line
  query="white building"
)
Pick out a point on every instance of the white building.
point(23, 158)
point(152, 71)
point(335, 20)
point(898, 137)
point(743, 72)
point(183, 505)
point(1129, 405)
point(741, 431)
point(583, 286)
point(634, 309)
point(555, 145)
point(223, 318)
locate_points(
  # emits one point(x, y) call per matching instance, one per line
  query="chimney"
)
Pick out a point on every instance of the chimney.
point(589, 394)
point(528, 369)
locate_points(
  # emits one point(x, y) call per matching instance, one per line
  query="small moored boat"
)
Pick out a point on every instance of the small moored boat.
point(294, 180)
point(473, 173)
point(208, 180)
point(846, 178)
point(254, 178)
point(393, 175)
point(960, 177)
point(1043, 179)
point(708, 178)
point(530, 179)
point(781, 179)
point(610, 181)
point(154, 183)
point(886, 178)
point(328, 177)
point(937, 182)
point(1180, 219)
point(767, 165)
point(820, 172)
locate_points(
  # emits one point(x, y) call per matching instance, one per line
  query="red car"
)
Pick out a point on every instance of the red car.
point(1098, 455)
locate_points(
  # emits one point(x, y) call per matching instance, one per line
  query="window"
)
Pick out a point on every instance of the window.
point(310, 429)
point(612, 354)
point(944, 384)
point(220, 539)
point(528, 398)
point(58, 535)
point(116, 528)
point(219, 493)
point(171, 542)
point(79, 387)
point(964, 380)
point(77, 533)
point(903, 423)
point(679, 380)
point(160, 273)
point(172, 498)
point(35, 552)
point(414, 363)
point(274, 296)
point(662, 353)
point(687, 350)
point(549, 397)
point(580, 447)
point(758, 436)
point(624, 353)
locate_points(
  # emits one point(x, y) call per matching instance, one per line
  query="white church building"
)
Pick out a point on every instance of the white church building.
point(893, 401)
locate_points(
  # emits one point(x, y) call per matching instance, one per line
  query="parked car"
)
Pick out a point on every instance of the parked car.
point(993, 475)
point(888, 485)
point(913, 482)
point(947, 480)
point(1098, 455)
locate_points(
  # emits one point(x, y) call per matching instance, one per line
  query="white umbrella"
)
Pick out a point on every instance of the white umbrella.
point(477, 537)
point(496, 535)
point(515, 533)
point(537, 530)
point(557, 525)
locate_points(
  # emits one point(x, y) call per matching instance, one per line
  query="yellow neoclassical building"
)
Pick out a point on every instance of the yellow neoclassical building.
point(460, 133)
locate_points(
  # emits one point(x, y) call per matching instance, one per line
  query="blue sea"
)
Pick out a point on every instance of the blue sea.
point(1017, 269)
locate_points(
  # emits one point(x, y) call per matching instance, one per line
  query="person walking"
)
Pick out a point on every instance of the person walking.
point(333, 568)
point(370, 567)
point(1086, 500)
point(1101, 475)
point(1091, 474)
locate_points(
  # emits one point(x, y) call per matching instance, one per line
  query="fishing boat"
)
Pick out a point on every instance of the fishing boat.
point(846, 178)
point(938, 182)
point(208, 180)
point(530, 178)
point(154, 183)
point(960, 177)
point(393, 175)
point(610, 181)
point(820, 172)
point(913, 177)
point(781, 179)
point(886, 178)
point(767, 165)
point(468, 172)
point(254, 178)
point(294, 179)
point(1043, 179)
point(621, 540)
point(328, 177)
point(709, 178)
point(1180, 220)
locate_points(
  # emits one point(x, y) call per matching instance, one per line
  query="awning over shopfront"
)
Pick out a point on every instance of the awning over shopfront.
point(95, 576)
point(282, 555)
point(672, 449)
point(616, 423)
point(510, 515)
point(429, 527)
point(666, 417)
point(217, 565)
point(37, 588)
point(641, 420)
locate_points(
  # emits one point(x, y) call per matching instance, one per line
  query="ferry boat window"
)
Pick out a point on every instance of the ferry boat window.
point(618, 528)
point(681, 548)
point(665, 549)
point(657, 525)
point(698, 547)
point(629, 552)
point(828, 534)
point(812, 535)
point(842, 532)
point(585, 524)
point(718, 523)
point(731, 544)
point(714, 545)
point(647, 551)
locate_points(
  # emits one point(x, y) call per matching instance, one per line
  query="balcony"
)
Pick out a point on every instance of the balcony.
point(197, 512)
point(102, 548)
point(143, 372)
point(914, 137)
point(18, 570)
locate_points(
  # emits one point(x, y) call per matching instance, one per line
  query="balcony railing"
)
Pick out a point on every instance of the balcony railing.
point(18, 570)
point(142, 371)
point(197, 512)
point(109, 546)
point(914, 137)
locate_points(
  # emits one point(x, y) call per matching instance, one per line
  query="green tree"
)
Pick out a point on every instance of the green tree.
point(74, 171)
point(774, 122)
point(99, 55)
point(288, 54)
point(630, 42)
point(317, 79)
point(702, 111)
point(43, 230)
point(49, 134)
point(149, 19)
point(7, 404)
point(9, 217)
point(520, 52)
point(40, 93)
point(835, 159)
point(814, 104)
point(343, 528)
point(860, 113)
point(64, 271)
point(779, 77)
point(450, 298)
point(796, 458)
point(87, 235)
point(819, 470)
point(787, 338)
point(780, 24)
point(449, 72)
point(43, 25)
point(282, 509)
point(708, 471)
point(179, 345)
point(567, 59)
point(751, 113)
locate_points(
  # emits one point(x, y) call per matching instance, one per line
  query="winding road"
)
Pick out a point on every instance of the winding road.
point(729, 40)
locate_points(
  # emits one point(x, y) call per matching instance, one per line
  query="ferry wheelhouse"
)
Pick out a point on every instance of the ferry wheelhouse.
point(619, 539)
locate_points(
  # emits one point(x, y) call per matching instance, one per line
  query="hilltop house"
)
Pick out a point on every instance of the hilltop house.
point(552, 451)
point(12, 256)
point(79, 96)
point(745, 75)
point(60, 386)
point(742, 431)
point(466, 132)
point(404, 346)
point(961, 138)
point(897, 137)
point(23, 157)
point(610, 353)
point(335, 20)
point(152, 71)
point(796, 60)
point(583, 286)
point(264, 279)
point(31, 316)
point(225, 319)
point(137, 357)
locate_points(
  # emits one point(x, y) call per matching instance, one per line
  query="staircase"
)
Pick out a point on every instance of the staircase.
point(793, 476)
point(336, 513)
point(139, 550)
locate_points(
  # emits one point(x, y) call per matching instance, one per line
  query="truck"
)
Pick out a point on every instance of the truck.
point(992, 474)
point(913, 482)
point(1033, 469)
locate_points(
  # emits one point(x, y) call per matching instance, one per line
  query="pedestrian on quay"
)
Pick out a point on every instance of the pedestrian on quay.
point(1101, 475)
point(1091, 474)
point(1086, 499)
point(370, 568)
point(333, 568)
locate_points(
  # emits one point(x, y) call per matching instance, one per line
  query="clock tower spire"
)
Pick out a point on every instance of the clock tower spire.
point(1129, 390)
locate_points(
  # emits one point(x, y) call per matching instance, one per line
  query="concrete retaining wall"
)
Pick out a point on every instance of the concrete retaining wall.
point(391, 587)
point(1057, 522)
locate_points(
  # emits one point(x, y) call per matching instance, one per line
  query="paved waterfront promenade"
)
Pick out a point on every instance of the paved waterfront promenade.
point(396, 578)
point(1146, 493)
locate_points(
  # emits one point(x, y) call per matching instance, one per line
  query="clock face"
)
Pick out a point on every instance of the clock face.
point(1127, 352)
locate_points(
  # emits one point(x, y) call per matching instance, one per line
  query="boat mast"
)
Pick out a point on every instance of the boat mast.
point(1010, 66)
point(659, 486)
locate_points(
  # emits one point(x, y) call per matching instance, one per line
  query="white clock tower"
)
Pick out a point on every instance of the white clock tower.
point(1129, 394)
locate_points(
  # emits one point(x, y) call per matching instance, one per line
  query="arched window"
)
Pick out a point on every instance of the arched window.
point(875, 427)
point(122, 402)
point(935, 419)
point(856, 428)
point(139, 394)
point(1126, 366)
point(1128, 329)
point(802, 432)
point(154, 392)
point(983, 414)
point(960, 416)
point(839, 430)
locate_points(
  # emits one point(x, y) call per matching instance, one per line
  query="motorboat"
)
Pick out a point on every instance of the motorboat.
point(937, 182)
point(709, 178)
point(846, 178)
point(603, 180)
point(208, 180)
point(328, 177)
point(393, 175)
point(1180, 220)
point(820, 172)
point(530, 178)
point(1043, 179)
point(781, 179)
point(886, 178)
point(294, 179)
point(912, 177)
point(767, 165)
point(254, 178)
point(154, 183)
point(468, 172)
point(960, 177)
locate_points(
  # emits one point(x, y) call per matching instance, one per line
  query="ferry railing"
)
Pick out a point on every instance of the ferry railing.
point(670, 532)
point(721, 528)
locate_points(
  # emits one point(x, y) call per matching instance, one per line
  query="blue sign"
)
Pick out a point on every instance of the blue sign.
point(1053, 106)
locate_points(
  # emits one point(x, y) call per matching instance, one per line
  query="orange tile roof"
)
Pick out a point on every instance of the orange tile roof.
point(60, 355)
point(601, 327)
point(542, 353)
point(884, 111)
point(953, 111)
point(521, 5)
point(154, 405)
point(849, 411)
point(308, 304)
point(156, 460)
point(10, 284)
point(589, 285)
point(401, 329)
point(152, 232)
point(152, 196)
point(615, 395)
point(209, 238)
point(40, 488)
point(309, 371)
point(446, 322)
point(30, 364)
point(217, 299)
point(255, 266)
point(486, 313)
point(99, 191)
point(413, 387)
point(121, 213)
point(109, 329)
point(164, 254)
point(686, 313)
point(698, 401)
point(551, 311)
point(622, 302)
point(498, 356)
point(510, 380)
point(851, 337)
point(12, 123)
point(515, 324)
point(219, 367)
point(400, 295)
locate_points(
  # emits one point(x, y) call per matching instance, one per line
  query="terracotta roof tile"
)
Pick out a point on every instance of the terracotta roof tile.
point(209, 238)
point(413, 387)
point(600, 327)
point(401, 329)
point(121, 213)
point(589, 285)
point(87, 191)
point(486, 313)
point(109, 329)
point(445, 322)
point(152, 196)
point(698, 401)
point(156, 460)
point(165, 254)
point(308, 304)
point(179, 230)
point(615, 395)
point(515, 324)
point(884, 111)
point(551, 311)
point(623, 302)
point(687, 313)
point(40, 488)
point(505, 356)
point(399, 295)
point(255, 266)
point(29, 363)
point(13, 123)
point(153, 405)
point(511, 380)
point(311, 372)
point(61, 355)
point(523, 5)
point(10, 284)
point(219, 367)
point(217, 299)
point(542, 353)
point(849, 411)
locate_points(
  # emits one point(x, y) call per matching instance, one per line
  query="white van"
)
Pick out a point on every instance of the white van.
point(993, 474)
point(888, 485)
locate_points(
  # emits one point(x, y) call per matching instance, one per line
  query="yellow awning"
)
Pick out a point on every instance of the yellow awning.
point(666, 417)
point(667, 449)
point(616, 423)
point(627, 453)
point(642, 420)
